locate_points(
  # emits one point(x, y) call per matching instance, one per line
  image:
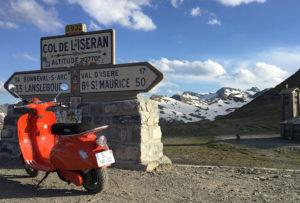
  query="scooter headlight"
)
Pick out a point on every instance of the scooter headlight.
point(101, 141)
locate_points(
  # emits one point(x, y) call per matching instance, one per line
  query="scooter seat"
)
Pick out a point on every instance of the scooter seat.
point(69, 128)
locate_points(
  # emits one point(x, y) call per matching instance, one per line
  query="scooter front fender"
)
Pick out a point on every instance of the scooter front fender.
point(24, 138)
point(75, 154)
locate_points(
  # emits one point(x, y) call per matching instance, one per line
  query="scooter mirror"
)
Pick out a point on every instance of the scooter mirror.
point(64, 86)
point(12, 87)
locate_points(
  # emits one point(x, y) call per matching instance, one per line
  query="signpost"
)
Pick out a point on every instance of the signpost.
point(90, 48)
point(29, 83)
point(85, 61)
point(139, 77)
point(91, 81)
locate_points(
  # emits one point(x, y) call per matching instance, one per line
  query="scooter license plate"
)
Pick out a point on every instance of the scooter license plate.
point(105, 158)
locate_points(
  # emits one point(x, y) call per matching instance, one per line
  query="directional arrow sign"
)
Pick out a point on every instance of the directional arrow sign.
point(140, 77)
point(38, 82)
point(114, 81)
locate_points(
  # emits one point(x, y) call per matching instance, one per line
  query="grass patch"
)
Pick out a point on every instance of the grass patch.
point(205, 151)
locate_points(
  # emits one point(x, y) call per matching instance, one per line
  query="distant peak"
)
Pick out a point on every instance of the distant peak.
point(254, 89)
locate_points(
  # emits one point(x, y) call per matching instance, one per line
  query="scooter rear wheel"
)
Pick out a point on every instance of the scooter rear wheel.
point(95, 180)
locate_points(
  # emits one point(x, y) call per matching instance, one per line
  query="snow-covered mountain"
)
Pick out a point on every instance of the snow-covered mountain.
point(191, 106)
point(3, 111)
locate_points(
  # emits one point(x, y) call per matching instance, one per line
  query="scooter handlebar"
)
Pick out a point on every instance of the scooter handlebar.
point(21, 106)
point(62, 104)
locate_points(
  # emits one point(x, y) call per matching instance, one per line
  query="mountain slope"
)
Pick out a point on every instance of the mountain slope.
point(267, 105)
point(191, 107)
point(3, 111)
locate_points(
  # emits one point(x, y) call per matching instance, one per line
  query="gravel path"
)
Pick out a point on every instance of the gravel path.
point(167, 184)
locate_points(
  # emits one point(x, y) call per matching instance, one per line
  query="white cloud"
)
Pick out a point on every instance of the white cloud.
point(24, 56)
point(239, 2)
point(93, 26)
point(2, 90)
point(214, 22)
point(198, 73)
point(261, 75)
point(28, 57)
point(30, 11)
point(193, 68)
point(243, 75)
point(176, 3)
point(8, 25)
point(127, 13)
point(164, 83)
point(269, 72)
point(289, 58)
point(195, 11)
point(173, 92)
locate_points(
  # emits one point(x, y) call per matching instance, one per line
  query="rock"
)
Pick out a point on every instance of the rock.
point(286, 176)
point(262, 178)
point(208, 172)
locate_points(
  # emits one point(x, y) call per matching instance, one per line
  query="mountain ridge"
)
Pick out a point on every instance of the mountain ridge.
point(191, 107)
point(3, 112)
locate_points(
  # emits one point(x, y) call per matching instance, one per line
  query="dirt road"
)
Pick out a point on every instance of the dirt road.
point(168, 184)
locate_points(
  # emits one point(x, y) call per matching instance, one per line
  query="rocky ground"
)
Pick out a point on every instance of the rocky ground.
point(167, 184)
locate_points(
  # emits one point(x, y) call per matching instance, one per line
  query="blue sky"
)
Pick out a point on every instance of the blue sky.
point(200, 45)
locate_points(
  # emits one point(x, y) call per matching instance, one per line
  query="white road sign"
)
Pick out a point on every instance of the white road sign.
point(127, 77)
point(90, 48)
point(39, 83)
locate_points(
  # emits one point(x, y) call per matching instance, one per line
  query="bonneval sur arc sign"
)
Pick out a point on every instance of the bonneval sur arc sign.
point(39, 82)
point(90, 48)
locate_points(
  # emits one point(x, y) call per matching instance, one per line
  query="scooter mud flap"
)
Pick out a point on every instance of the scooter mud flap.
point(72, 177)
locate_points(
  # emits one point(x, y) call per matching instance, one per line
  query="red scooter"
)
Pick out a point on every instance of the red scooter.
point(74, 151)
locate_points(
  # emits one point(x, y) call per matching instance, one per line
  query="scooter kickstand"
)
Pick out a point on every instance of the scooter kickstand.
point(46, 175)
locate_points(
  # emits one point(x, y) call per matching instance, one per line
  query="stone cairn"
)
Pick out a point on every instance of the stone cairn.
point(134, 134)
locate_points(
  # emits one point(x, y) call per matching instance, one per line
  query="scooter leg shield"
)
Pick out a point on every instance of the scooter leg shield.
point(24, 139)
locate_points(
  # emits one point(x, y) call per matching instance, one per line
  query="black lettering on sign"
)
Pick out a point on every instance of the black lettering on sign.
point(85, 85)
point(17, 79)
point(61, 76)
point(140, 82)
point(38, 87)
point(94, 84)
point(86, 75)
point(50, 48)
point(19, 88)
point(93, 43)
point(142, 71)
point(63, 46)
point(35, 78)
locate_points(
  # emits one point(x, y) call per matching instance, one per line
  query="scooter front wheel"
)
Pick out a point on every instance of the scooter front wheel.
point(95, 180)
point(30, 171)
